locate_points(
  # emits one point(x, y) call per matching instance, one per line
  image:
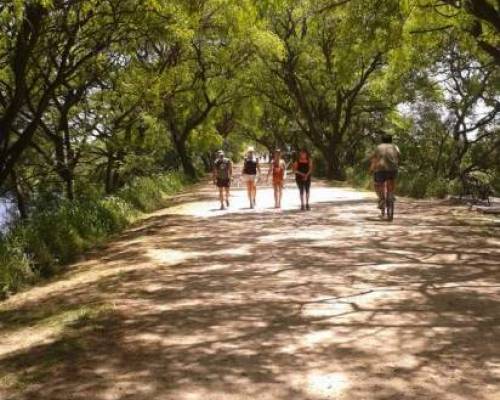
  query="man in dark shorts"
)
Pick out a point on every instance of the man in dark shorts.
point(384, 165)
point(222, 176)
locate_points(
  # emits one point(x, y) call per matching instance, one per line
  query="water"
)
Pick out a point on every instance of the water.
point(7, 210)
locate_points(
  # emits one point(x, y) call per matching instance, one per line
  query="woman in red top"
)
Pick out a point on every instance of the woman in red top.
point(278, 171)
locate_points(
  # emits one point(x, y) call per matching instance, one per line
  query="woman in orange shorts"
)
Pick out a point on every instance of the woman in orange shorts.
point(278, 171)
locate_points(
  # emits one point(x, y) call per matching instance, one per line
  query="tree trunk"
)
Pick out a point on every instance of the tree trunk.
point(68, 157)
point(109, 184)
point(68, 180)
point(62, 168)
point(334, 169)
point(207, 162)
point(20, 196)
point(456, 162)
point(186, 161)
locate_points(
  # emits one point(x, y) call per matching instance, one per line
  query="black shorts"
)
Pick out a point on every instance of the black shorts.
point(384, 176)
point(223, 183)
point(303, 185)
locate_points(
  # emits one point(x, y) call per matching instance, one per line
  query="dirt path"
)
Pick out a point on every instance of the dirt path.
point(329, 304)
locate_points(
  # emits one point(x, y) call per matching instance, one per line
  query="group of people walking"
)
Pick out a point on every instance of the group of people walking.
point(384, 164)
point(251, 173)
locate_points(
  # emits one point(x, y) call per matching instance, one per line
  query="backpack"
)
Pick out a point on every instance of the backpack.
point(222, 167)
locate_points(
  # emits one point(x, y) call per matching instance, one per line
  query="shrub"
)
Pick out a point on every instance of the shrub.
point(359, 178)
point(319, 165)
point(148, 193)
point(15, 267)
point(455, 187)
point(437, 188)
point(56, 235)
point(413, 185)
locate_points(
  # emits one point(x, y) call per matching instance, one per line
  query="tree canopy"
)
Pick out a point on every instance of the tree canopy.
point(95, 93)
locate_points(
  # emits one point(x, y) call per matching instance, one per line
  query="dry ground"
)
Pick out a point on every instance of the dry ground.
point(194, 303)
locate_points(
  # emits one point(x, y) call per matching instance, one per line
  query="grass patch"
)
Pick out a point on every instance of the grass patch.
point(54, 317)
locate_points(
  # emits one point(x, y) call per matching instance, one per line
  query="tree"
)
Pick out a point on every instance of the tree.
point(331, 65)
point(475, 19)
point(45, 46)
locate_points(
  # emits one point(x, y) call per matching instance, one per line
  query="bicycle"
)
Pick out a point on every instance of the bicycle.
point(386, 204)
point(477, 186)
point(389, 204)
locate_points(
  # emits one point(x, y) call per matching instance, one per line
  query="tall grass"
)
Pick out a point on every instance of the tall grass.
point(55, 236)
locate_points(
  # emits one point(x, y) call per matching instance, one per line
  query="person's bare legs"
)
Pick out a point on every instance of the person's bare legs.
point(221, 198)
point(227, 196)
point(250, 192)
point(380, 192)
point(280, 195)
point(254, 193)
point(390, 187)
point(276, 196)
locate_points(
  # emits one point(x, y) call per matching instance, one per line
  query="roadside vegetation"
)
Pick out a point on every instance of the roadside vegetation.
point(57, 234)
point(100, 100)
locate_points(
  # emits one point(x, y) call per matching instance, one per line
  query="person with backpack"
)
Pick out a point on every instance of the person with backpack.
point(303, 168)
point(222, 176)
point(384, 166)
point(251, 170)
point(277, 170)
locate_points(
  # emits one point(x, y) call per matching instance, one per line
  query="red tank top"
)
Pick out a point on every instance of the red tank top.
point(278, 171)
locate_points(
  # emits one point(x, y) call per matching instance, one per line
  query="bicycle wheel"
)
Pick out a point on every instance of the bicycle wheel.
point(390, 208)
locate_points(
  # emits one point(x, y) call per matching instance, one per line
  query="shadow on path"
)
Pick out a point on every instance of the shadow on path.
point(268, 305)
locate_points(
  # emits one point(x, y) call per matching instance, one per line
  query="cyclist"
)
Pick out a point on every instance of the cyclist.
point(222, 175)
point(384, 165)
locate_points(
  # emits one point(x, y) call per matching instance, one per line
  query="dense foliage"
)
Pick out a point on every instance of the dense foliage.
point(59, 232)
point(98, 97)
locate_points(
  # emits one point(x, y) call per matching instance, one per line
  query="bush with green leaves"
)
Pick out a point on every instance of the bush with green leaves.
point(148, 193)
point(57, 235)
point(15, 267)
point(359, 178)
point(437, 188)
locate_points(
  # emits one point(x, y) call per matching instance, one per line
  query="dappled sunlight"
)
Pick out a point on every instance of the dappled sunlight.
point(170, 256)
point(266, 304)
point(173, 257)
point(24, 339)
point(265, 202)
point(307, 234)
point(327, 385)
